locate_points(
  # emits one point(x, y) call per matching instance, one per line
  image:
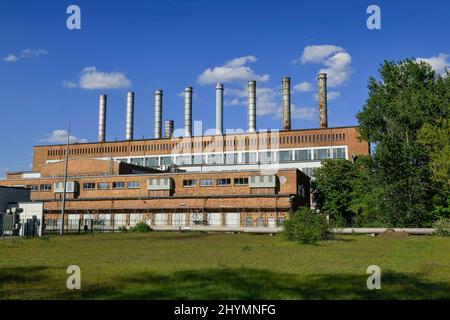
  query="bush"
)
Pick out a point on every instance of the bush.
point(122, 229)
point(306, 226)
point(442, 227)
point(141, 227)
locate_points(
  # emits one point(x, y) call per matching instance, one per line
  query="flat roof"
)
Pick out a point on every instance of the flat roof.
point(210, 135)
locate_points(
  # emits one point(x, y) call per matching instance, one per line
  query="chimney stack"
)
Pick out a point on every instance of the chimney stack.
point(188, 112)
point(286, 102)
point(168, 128)
point(219, 108)
point(158, 113)
point(102, 118)
point(251, 101)
point(323, 113)
point(130, 116)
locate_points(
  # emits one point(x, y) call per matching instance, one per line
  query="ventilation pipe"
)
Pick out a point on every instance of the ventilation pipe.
point(130, 116)
point(188, 111)
point(286, 102)
point(168, 128)
point(251, 112)
point(102, 118)
point(219, 108)
point(158, 113)
point(323, 113)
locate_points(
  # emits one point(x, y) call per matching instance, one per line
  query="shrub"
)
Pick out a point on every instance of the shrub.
point(141, 227)
point(306, 226)
point(442, 227)
point(122, 229)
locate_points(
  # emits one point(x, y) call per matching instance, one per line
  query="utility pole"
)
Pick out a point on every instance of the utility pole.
point(63, 209)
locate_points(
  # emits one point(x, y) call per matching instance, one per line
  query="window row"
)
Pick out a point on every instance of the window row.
point(219, 182)
point(114, 185)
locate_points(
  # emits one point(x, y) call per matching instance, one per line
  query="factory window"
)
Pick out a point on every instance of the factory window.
point(89, 186)
point(285, 156)
point(103, 186)
point(183, 160)
point(339, 153)
point(46, 187)
point(133, 185)
point(199, 159)
point(137, 161)
point(320, 154)
point(309, 171)
point(189, 183)
point(151, 162)
point(230, 158)
point(34, 187)
point(206, 182)
point(241, 181)
point(266, 157)
point(260, 222)
point(302, 155)
point(343, 136)
point(248, 157)
point(215, 159)
point(118, 185)
point(166, 161)
point(249, 222)
point(223, 182)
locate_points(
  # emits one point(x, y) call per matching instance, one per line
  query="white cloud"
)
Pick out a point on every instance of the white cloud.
point(336, 61)
point(303, 87)
point(235, 70)
point(31, 53)
point(319, 53)
point(303, 113)
point(69, 84)
point(92, 79)
point(10, 58)
point(438, 63)
point(60, 136)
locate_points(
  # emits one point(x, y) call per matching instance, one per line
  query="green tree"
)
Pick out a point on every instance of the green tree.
point(407, 96)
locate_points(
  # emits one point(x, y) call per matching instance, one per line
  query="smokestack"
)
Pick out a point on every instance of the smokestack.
point(251, 101)
point(168, 128)
point(219, 108)
point(188, 111)
point(130, 116)
point(323, 113)
point(286, 102)
point(102, 118)
point(158, 113)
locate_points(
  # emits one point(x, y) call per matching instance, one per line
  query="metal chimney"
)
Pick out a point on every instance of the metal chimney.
point(168, 128)
point(102, 118)
point(188, 111)
point(323, 113)
point(219, 108)
point(158, 113)
point(130, 116)
point(286, 102)
point(251, 112)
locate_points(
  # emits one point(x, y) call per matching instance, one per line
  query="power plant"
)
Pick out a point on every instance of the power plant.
point(252, 180)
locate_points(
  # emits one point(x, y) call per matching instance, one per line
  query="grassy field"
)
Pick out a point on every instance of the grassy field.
point(163, 265)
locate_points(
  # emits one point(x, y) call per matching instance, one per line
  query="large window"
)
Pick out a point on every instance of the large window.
point(339, 153)
point(137, 161)
point(34, 187)
point(183, 160)
point(166, 161)
point(240, 181)
point(230, 158)
point(118, 185)
point(266, 157)
point(223, 182)
point(151, 162)
point(89, 186)
point(302, 155)
point(206, 182)
point(198, 159)
point(103, 186)
point(320, 154)
point(215, 159)
point(248, 157)
point(189, 183)
point(133, 185)
point(285, 156)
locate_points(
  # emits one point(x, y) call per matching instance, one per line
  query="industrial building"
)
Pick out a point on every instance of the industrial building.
point(248, 179)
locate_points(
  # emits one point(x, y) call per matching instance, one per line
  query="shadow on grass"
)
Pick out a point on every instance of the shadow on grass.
point(220, 283)
point(245, 283)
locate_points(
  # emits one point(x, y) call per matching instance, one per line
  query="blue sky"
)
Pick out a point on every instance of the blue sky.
point(50, 74)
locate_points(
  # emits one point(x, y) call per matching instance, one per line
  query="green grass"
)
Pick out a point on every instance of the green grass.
point(163, 265)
